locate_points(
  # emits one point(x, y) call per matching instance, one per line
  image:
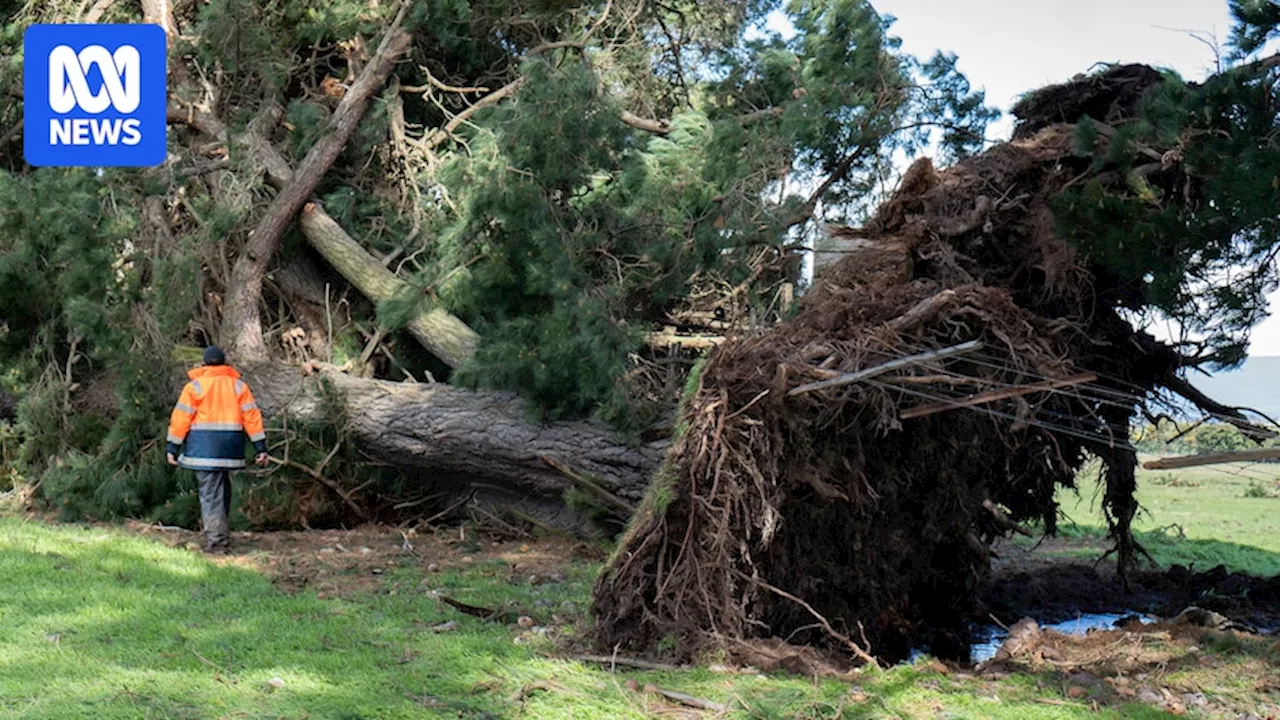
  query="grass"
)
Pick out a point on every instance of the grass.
point(102, 623)
point(1199, 517)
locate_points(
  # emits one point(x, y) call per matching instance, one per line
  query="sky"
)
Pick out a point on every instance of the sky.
point(1007, 47)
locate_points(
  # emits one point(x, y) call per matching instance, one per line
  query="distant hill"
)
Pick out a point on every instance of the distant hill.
point(1255, 384)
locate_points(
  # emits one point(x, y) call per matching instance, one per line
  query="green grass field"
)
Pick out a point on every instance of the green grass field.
point(1200, 517)
point(104, 623)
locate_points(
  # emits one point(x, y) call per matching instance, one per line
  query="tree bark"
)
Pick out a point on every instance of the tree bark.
point(465, 441)
point(447, 337)
point(300, 282)
point(242, 323)
point(158, 12)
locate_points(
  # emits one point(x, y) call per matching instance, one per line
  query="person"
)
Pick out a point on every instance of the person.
point(206, 434)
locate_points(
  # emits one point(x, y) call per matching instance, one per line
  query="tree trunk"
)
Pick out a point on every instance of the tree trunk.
point(447, 337)
point(464, 441)
point(301, 284)
point(242, 323)
point(455, 339)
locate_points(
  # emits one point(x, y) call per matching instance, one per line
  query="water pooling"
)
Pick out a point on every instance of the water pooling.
point(991, 636)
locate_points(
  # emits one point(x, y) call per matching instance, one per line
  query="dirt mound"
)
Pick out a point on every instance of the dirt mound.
point(1110, 96)
point(859, 515)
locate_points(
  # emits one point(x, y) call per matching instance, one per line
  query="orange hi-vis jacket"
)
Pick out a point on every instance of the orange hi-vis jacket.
point(214, 413)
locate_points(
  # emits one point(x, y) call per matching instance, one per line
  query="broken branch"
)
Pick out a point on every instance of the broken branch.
point(626, 662)
point(1224, 412)
point(1002, 521)
point(447, 337)
point(1186, 461)
point(578, 479)
point(687, 700)
point(663, 339)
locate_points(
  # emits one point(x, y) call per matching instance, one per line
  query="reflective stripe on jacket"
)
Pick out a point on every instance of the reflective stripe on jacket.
point(213, 414)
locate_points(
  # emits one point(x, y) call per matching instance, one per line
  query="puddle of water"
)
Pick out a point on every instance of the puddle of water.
point(991, 636)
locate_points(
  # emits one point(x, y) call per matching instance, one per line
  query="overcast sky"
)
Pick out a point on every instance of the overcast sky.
point(1010, 46)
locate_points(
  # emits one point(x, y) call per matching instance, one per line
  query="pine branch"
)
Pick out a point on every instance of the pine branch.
point(1226, 413)
point(657, 127)
point(320, 229)
point(440, 135)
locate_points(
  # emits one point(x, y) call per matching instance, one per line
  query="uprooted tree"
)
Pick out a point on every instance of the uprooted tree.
point(555, 204)
point(838, 480)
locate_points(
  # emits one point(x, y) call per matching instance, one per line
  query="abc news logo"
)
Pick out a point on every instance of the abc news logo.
point(69, 89)
point(95, 95)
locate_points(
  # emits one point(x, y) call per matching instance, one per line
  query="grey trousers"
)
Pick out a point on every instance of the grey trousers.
point(215, 506)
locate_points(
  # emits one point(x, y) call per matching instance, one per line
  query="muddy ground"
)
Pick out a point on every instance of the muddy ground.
point(1033, 583)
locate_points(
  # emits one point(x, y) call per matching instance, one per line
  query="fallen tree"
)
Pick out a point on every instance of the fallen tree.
point(858, 515)
point(459, 442)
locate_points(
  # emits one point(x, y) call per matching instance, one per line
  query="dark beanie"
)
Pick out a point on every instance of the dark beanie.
point(213, 356)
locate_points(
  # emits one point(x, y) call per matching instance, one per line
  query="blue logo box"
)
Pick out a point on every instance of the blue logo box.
point(94, 95)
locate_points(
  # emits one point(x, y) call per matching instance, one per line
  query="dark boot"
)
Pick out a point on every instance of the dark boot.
point(215, 509)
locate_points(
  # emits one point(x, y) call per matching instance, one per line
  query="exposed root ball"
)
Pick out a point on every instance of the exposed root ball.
point(825, 517)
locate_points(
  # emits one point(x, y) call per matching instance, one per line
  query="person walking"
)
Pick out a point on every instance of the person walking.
point(206, 434)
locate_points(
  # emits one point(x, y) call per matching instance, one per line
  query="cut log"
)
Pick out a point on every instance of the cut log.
point(670, 337)
point(463, 441)
point(447, 337)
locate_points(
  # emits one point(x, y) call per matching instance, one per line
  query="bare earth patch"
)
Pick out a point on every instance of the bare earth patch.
point(340, 563)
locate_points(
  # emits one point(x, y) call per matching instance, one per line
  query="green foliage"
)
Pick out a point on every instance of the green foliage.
point(565, 361)
point(1259, 491)
point(308, 120)
point(245, 39)
point(82, 486)
point(55, 260)
point(1254, 22)
point(75, 280)
point(1221, 438)
point(1209, 437)
point(557, 230)
point(572, 232)
point(1200, 251)
point(327, 21)
point(571, 244)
